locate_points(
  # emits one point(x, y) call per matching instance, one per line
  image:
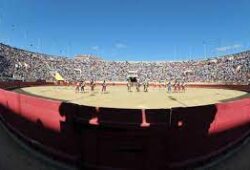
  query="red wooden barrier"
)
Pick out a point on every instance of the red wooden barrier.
point(114, 138)
point(120, 117)
point(230, 115)
point(40, 120)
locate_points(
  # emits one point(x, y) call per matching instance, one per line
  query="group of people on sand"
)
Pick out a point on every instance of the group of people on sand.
point(137, 86)
point(177, 86)
point(80, 86)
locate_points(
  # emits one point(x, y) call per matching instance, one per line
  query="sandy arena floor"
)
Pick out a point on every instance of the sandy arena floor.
point(119, 97)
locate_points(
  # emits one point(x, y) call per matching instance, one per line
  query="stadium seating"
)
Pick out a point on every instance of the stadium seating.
point(24, 65)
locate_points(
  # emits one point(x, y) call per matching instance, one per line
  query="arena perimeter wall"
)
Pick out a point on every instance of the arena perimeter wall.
point(125, 138)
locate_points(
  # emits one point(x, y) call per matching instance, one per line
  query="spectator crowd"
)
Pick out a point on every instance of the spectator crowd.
point(20, 64)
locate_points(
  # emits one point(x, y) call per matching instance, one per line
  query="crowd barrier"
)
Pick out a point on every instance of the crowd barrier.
point(125, 138)
point(39, 121)
point(19, 84)
point(221, 86)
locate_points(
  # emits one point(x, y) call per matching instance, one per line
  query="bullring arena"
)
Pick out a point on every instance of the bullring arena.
point(127, 130)
point(119, 97)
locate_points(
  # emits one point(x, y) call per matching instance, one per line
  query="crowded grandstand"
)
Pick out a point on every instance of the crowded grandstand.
point(30, 66)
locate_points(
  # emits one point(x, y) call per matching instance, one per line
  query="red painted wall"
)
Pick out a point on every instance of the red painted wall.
point(115, 138)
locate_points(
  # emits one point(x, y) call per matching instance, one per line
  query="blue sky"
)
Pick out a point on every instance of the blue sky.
point(127, 29)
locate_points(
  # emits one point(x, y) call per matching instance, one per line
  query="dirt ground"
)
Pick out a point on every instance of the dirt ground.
point(119, 97)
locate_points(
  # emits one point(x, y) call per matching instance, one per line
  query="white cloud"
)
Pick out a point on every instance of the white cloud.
point(96, 48)
point(230, 47)
point(120, 45)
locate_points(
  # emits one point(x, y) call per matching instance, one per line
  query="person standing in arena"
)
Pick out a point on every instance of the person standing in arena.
point(129, 86)
point(183, 86)
point(104, 86)
point(138, 87)
point(92, 85)
point(175, 86)
point(169, 86)
point(77, 87)
point(145, 86)
point(178, 86)
point(166, 83)
point(83, 86)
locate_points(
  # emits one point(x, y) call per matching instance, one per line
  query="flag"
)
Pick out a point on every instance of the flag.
point(58, 77)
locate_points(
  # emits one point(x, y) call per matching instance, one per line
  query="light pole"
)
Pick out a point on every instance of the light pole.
point(205, 48)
